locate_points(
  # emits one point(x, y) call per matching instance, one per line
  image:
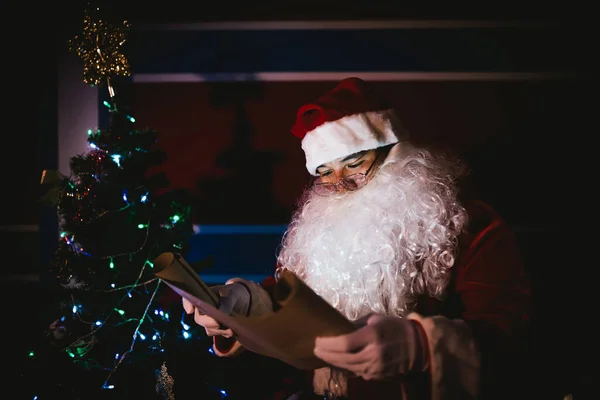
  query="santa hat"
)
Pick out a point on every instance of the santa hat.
point(348, 119)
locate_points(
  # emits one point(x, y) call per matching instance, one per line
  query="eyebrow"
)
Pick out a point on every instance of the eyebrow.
point(358, 154)
point(355, 155)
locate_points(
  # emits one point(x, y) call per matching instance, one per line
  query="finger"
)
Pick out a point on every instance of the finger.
point(211, 325)
point(237, 280)
point(349, 343)
point(362, 321)
point(227, 333)
point(346, 361)
point(365, 371)
point(234, 299)
point(187, 305)
point(374, 319)
point(205, 321)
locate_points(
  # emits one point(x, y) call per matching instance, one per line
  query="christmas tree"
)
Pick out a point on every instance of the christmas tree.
point(111, 327)
point(112, 330)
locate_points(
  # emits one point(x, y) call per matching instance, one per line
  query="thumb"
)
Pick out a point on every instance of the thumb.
point(187, 305)
point(236, 280)
point(234, 298)
point(364, 320)
point(372, 319)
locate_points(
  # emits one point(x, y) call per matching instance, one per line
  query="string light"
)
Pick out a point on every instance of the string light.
point(101, 254)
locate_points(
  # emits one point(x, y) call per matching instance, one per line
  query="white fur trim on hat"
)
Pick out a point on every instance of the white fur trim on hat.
point(349, 135)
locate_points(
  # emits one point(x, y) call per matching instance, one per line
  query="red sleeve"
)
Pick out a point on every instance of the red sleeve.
point(495, 295)
point(268, 282)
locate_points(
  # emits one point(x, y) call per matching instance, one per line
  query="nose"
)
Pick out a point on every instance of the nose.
point(339, 184)
point(338, 177)
point(335, 179)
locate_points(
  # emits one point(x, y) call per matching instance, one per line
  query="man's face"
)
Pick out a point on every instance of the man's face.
point(348, 173)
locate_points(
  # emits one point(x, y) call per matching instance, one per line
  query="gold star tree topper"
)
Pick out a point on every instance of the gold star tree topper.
point(99, 46)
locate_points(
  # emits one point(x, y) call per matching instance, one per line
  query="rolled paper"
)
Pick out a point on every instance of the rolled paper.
point(173, 269)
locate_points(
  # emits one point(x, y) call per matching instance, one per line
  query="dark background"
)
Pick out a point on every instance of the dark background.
point(534, 167)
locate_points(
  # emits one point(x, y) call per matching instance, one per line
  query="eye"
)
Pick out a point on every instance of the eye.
point(355, 165)
point(326, 173)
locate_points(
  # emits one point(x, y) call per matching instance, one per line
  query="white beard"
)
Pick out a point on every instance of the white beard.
point(377, 249)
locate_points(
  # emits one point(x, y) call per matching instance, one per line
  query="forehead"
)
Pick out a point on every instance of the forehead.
point(345, 159)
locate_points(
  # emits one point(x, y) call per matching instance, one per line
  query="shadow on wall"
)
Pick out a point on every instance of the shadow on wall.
point(242, 192)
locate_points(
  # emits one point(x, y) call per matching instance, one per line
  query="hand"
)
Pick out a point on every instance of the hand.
point(384, 348)
point(237, 296)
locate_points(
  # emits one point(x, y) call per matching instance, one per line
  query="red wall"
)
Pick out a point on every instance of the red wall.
point(196, 124)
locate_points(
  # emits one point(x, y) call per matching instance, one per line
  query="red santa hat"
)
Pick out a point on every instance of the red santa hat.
point(348, 119)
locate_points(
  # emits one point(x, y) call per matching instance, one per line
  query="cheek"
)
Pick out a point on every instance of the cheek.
point(354, 171)
point(328, 179)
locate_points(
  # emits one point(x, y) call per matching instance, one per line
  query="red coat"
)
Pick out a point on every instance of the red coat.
point(490, 291)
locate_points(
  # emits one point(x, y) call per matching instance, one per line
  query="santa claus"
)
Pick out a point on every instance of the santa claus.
point(387, 234)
